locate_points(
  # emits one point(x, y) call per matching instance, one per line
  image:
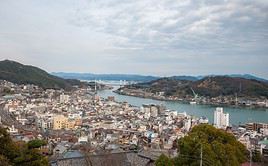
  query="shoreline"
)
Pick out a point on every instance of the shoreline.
point(188, 102)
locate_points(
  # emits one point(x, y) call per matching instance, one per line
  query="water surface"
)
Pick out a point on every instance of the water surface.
point(237, 115)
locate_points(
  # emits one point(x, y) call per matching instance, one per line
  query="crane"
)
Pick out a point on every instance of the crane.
point(195, 95)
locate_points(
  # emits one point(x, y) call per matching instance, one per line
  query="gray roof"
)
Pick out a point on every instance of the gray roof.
point(111, 159)
point(72, 154)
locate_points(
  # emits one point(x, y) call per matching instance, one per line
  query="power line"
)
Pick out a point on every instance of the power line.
point(201, 156)
point(204, 160)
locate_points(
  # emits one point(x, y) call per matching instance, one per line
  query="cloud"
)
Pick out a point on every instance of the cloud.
point(168, 35)
point(148, 24)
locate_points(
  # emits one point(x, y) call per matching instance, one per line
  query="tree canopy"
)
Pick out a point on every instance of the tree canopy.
point(18, 153)
point(163, 160)
point(219, 148)
point(36, 143)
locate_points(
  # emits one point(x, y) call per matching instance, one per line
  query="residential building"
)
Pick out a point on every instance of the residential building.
point(59, 122)
point(221, 120)
point(64, 98)
point(256, 126)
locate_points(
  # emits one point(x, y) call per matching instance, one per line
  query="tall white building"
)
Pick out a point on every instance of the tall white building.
point(221, 120)
point(154, 111)
point(188, 124)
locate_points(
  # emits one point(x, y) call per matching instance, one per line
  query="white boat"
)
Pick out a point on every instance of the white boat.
point(192, 102)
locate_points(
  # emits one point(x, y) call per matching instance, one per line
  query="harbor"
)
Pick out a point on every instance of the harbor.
point(238, 115)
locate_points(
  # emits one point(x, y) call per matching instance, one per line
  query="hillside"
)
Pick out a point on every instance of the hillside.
point(207, 87)
point(170, 86)
point(223, 85)
point(24, 74)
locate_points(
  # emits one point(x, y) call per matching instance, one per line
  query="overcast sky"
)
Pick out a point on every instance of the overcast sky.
point(152, 37)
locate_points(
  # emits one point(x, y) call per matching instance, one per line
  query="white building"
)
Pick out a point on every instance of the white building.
point(203, 120)
point(150, 110)
point(154, 111)
point(12, 130)
point(82, 139)
point(76, 115)
point(221, 120)
point(187, 124)
point(46, 123)
point(64, 98)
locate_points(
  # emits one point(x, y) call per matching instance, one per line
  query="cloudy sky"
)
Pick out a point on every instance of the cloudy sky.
point(157, 37)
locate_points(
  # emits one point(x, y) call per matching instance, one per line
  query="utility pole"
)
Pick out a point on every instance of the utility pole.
point(201, 157)
point(250, 154)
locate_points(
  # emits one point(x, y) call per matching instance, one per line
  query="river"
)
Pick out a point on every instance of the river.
point(237, 115)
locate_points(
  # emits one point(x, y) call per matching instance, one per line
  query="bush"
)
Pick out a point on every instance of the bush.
point(163, 160)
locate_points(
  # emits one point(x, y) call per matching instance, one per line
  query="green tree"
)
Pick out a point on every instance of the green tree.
point(163, 160)
point(4, 161)
point(219, 148)
point(7, 147)
point(36, 143)
point(256, 156)
point(18, 153)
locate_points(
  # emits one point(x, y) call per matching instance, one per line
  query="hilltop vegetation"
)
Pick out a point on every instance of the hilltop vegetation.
point(169, 86)
point(25, 74)
point(222, 85)
point(209, 87)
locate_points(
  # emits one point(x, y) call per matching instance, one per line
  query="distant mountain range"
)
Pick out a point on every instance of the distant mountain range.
point(142, 78)
point(247, 85)
point(25, 74)
point(114, 77)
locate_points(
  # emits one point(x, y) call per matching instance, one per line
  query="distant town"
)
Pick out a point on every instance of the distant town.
point(80, 126)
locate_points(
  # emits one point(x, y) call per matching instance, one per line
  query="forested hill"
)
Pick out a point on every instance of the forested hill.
point(223, 85)
point(209, 86)
point(24, 74)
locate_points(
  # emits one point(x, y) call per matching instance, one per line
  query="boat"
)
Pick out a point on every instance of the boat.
point(192, 102)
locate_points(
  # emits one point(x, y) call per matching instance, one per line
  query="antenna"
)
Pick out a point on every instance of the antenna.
point(201, 156)
point(250, 154)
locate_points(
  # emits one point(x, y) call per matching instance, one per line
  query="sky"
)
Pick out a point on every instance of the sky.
point(149, 37)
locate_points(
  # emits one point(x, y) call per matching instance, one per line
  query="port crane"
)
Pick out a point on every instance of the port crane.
point(195, 97)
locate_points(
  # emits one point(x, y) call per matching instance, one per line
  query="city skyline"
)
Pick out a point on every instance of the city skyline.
point(137, 37)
